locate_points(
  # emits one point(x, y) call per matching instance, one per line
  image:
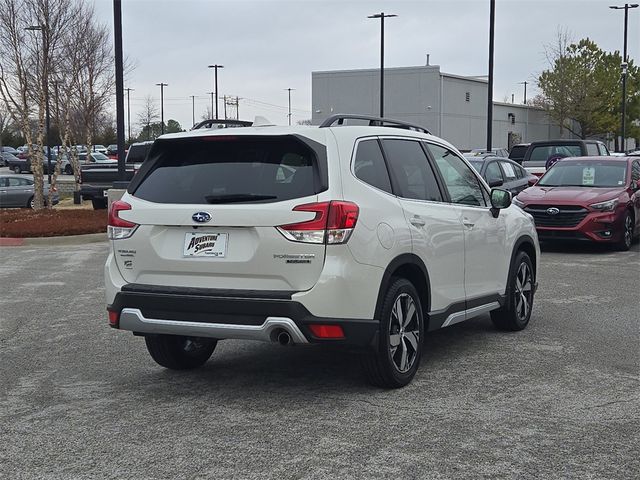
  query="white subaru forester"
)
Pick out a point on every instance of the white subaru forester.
point(362, 235)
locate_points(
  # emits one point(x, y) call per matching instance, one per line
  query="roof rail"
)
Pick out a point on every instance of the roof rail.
point(373, 122)
point(227, 123)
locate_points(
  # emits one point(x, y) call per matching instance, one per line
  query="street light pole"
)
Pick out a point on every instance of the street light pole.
point(193, 110)
point(211, 93)
point(162, 85)
point(492, 21)
point(215, 83)
point(381, 16)
point(624, 66)
point(129, 90)
point(45, 91)
point(289, 115)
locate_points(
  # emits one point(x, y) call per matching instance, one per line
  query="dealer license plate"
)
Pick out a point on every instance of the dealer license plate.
point(205, 244)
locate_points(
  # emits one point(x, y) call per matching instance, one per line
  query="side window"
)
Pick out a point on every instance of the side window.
point(603, 149)
point(460, 180)
point(493, 174)
point(635, 171)
point(369, 165)
point(592, 149)
point(15, 182)
point(509, 171)
point(411, 170)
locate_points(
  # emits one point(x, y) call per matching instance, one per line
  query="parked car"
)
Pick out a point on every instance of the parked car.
point(587, 198)
point(6, 158)
point(19, 191)
point(367, 236)
point(498, 152)
point(518, 151)
point(540, 155)
point(7, 149)
point(112, 150)
point(100, 149)
point(502, 172)
point(95, 157)
point(23, 165)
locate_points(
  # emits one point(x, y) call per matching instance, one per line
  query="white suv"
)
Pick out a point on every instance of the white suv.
point(362, 235)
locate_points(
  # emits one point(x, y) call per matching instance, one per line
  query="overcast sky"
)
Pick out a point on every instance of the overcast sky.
point(267, 46)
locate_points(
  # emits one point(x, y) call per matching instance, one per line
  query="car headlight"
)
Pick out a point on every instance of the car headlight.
point(608, 206)
point(517, 202)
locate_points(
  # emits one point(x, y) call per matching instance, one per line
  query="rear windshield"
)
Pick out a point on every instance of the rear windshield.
point(229, 170)
point(569, 173)
point(517, 152)
point(542, 153)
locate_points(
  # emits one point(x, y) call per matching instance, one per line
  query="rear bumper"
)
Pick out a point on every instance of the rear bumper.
point(228, 314)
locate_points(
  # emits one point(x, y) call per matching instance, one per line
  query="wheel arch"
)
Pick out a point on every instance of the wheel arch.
point(411, 267)
point(525, 244)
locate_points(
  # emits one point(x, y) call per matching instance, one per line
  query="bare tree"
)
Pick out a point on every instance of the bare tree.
point(149, 115)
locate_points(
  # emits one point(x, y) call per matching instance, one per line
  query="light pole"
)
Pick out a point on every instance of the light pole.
point(215, 83)
point(129, 90)
point(289, 114)
point(624, 66)
point(119, 69)
point(381, 16)
point(45, 90)
point(162, 85)
point(525, 83)
point(492, 21)
point(193, 110)
point(212, 94)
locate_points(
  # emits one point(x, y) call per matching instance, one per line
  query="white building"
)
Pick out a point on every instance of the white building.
point(450, 106)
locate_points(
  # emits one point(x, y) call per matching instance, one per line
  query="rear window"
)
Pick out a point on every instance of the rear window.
point(219, 170)
point(542, 153)
point(518, 151)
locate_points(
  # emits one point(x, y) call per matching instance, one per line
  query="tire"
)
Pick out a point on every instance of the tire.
point(17, 169)
point(389, 365)
point(627, 233)
point(68, 170)
point(30, 203)
point(516, 312)
point(99, 203)
point(178, 352)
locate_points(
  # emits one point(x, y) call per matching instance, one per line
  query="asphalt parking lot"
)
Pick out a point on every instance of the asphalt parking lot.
point(558, 400)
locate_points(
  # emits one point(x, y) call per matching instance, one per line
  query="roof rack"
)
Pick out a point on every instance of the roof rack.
point(227, 123)
point(373, 122)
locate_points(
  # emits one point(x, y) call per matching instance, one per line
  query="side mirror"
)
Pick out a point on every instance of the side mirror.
point(495, 183)
point(532, 181)
point(499, 199)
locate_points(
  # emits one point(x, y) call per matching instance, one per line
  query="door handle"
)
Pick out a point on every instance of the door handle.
point(416, 221)
point(467, 223)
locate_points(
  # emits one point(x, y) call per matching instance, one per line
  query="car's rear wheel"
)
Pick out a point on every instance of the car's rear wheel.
point(516, 312)
point(31, 203)
point(99, 203)
point(395, 359)
point(178, 352)
point(627, 233)
point(17, 169)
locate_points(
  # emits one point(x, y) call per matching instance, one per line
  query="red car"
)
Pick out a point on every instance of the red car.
point(587, 198)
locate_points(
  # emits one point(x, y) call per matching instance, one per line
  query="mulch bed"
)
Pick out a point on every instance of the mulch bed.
point(25, 223)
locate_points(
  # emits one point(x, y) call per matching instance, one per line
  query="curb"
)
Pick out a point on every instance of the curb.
point(49, 241)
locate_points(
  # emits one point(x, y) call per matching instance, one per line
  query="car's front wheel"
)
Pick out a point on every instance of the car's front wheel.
point(17, 169)
point(516, 312)
point(178, 352)
point(627, 233)
point(395, 359)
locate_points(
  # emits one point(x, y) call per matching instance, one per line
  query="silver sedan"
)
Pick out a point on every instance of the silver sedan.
point(17, 191)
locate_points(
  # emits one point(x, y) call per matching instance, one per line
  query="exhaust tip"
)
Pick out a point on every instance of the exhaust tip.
point(284, 338)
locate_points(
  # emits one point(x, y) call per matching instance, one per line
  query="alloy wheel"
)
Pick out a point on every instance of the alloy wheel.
point(404, 333)
point(628, 231)
point(523, 292)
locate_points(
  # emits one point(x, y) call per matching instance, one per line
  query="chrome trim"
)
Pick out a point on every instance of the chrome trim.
point(132, 319)
point(470, 313)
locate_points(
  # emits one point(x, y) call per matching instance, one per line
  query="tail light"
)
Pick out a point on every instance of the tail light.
point(114, 318)
point(119, 228)
point(326, 331)
point(333, 224)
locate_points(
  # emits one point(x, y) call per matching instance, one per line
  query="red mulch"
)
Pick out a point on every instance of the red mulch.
point(23, 223)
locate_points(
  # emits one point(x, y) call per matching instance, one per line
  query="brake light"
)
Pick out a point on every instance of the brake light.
point(333, 224)
point(119, 228)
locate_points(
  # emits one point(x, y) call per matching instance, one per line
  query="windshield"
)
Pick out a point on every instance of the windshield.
point(568, 173)
point(477, 164)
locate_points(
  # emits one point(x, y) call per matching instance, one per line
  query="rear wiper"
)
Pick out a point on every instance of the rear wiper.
point(237, 197)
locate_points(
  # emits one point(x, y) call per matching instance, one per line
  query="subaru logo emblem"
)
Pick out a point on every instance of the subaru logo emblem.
point(553, 211)
point(201, 217)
